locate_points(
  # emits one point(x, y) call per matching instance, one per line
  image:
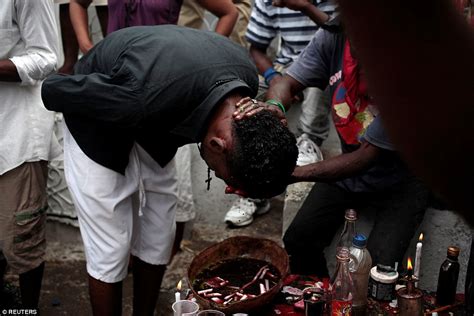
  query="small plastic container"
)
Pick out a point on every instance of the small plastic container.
point(382, 284)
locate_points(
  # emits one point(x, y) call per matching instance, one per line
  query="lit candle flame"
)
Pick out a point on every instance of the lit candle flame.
point(178, 287)
point(421, 237)
point(409, 266)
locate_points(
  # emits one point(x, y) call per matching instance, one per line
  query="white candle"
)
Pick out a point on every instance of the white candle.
point(177, 294)
point(262, 288)
point(419, 247)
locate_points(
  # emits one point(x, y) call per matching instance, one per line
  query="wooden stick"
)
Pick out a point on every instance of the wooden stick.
point(254, 279)
point(443, 308)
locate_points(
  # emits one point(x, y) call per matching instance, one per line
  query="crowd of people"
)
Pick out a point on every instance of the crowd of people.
point(151, 87)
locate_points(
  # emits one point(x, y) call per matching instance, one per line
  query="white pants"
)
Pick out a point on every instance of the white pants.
point(113, 223)
point(185, 209)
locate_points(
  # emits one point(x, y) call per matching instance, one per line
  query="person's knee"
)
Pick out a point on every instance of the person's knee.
point(109, 267)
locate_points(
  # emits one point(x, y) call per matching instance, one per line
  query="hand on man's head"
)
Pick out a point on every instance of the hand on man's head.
point(247, 107)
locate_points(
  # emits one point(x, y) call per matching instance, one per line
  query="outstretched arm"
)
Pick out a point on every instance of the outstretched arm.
point(260, 58)
point(418, 60)
point(225, 11)
point(79, 20)
point(306, 7)
point(339, 167)
point(284, 90)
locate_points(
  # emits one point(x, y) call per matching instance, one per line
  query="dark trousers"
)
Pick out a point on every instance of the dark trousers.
point(398, 213)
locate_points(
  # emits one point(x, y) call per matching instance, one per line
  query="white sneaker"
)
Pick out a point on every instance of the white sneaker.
point(308, 151)
point(242, 211)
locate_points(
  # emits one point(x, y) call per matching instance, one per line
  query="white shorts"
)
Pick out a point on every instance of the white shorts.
point(185, 209)
point(122, 214)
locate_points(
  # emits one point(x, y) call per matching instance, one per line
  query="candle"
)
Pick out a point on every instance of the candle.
point(409, 277)
point(419, 247)
point(409, 268)
point(177, 295)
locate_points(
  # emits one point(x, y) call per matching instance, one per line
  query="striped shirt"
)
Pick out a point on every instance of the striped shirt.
point(294, 28)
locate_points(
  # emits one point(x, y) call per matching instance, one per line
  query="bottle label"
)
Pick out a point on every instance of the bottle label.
point(341, 308)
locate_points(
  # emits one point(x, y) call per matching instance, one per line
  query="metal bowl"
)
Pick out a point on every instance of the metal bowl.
point(240, 247)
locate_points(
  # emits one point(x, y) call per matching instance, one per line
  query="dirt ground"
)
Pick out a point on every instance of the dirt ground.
point(65, 291)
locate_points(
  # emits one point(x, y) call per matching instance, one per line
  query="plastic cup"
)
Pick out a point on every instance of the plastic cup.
point(210, 312)
point(185, 308)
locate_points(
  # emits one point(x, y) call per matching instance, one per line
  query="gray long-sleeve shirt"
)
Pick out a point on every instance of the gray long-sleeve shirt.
point(154, 85)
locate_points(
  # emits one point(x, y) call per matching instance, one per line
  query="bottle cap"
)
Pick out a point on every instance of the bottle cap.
point(453, 251)
point(383, 277)
point(359, 240)
point(351, 215)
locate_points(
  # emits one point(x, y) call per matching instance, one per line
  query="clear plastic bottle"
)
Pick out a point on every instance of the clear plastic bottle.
point(342, 287)
point(448, 278)
point(348, 232)
point(359, 267)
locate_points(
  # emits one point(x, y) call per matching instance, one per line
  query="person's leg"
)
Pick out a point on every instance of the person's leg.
point(30, 286)
point(185, 208)
point(314, 117)
point(399, 213)
point(146, 286)
point(180, 226)
point(31, 280)
point(313, 229)
point(106, 298)
point(68, 37)
point(191, 15)
point(238, 34)
point(154, 230)
point(103, 15)
point(103, 200)
point(23, 215)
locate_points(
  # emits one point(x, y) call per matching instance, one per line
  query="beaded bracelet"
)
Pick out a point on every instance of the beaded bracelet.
point(269, 74)
point(276, 103)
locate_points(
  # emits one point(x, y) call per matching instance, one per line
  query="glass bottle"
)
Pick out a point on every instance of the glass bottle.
point(448, 278)
point(342, 287)
point(348, 232)
point(359, 267)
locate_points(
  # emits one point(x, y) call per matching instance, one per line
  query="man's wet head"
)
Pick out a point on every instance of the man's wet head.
point(255, 155)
